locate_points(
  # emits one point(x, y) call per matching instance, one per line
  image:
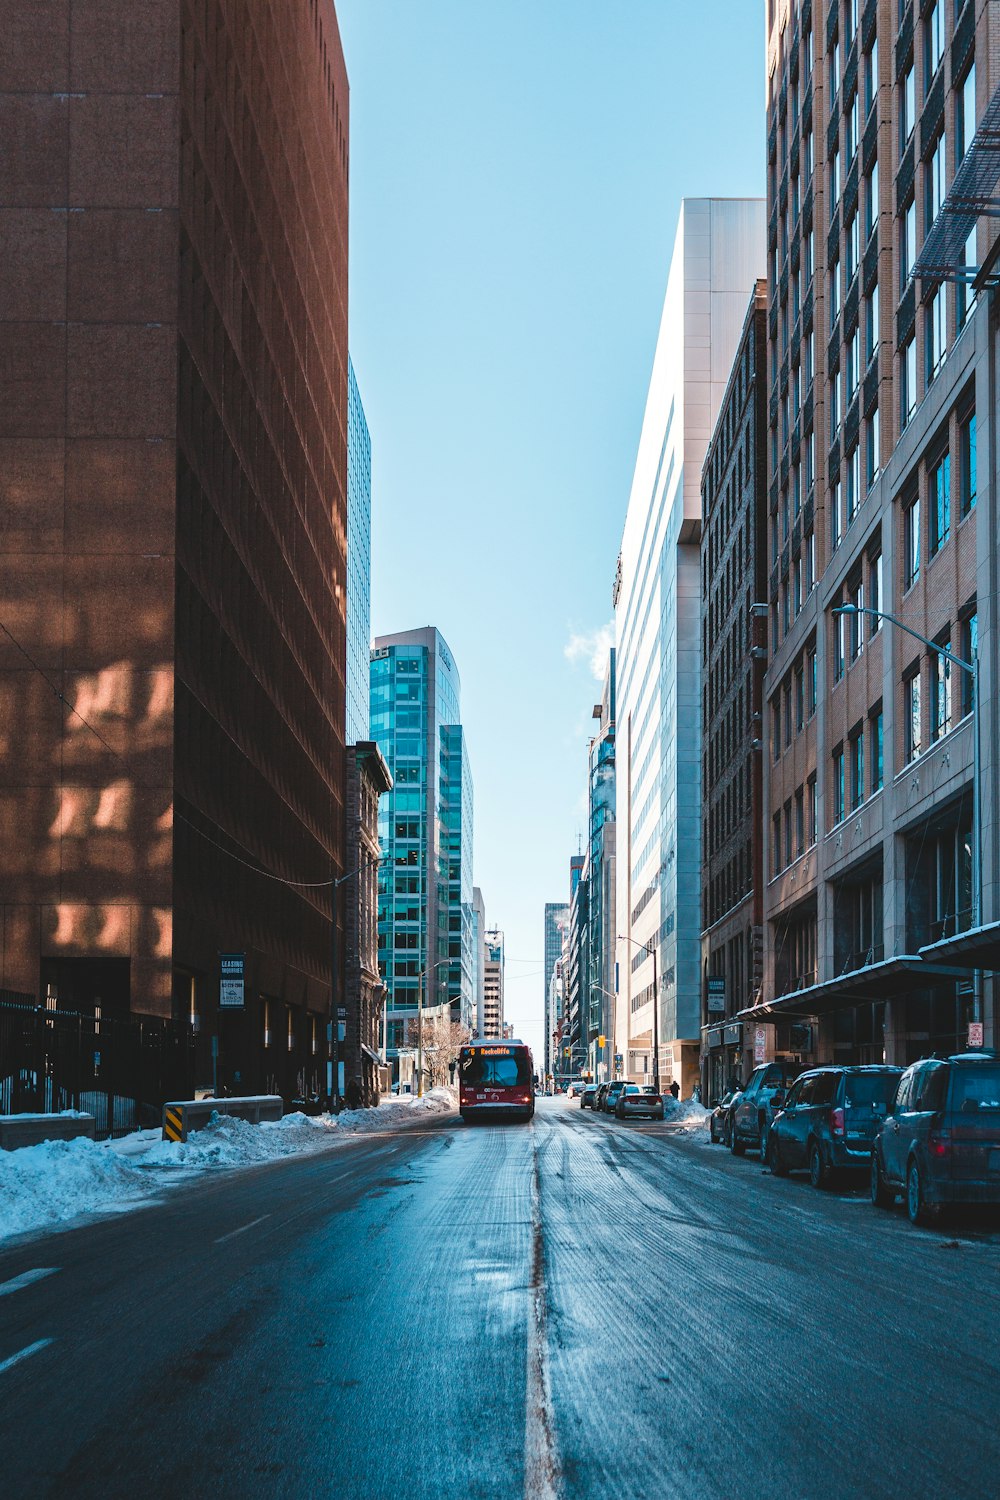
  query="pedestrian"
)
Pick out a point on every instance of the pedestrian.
point(675, 1089)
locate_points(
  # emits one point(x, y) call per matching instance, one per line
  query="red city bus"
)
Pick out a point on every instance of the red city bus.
point(496, 1078)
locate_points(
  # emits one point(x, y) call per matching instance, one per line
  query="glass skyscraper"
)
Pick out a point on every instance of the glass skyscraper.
point(425, 928)
point(359, 518)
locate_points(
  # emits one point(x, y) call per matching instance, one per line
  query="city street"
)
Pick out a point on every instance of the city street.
point(580, 1307)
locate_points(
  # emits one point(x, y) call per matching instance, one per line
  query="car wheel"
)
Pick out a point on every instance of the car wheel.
point(916, 1204)
point(736, 1146)
point(819, 1174)
point(763, 1137)
point(882, 1195)
point(778, 1168)
point(727, 1134)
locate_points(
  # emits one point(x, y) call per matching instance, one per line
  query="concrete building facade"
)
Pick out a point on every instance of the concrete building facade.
point(719, 253)
point(359, 562)
point(881, 358)
point(173, 478)
point(493, 984)
point(734, 655)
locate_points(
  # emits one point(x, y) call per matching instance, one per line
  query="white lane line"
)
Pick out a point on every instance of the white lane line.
point(541, 1458)
point(16, 1359)
point(242, 1229)
point(26, 1279)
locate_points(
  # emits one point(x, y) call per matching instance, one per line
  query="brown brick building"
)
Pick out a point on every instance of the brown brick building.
point(173, 393)
point(879, 498)
point(734, 654)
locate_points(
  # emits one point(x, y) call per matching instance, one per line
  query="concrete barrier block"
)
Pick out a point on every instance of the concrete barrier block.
point(182, 1116)
point(31, 1130)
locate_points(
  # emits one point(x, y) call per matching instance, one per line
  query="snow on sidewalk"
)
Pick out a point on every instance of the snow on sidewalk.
point(687, 1114)
point(45, 1187)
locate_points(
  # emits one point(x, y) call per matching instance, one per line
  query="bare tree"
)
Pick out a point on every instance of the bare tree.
point(443, 1038)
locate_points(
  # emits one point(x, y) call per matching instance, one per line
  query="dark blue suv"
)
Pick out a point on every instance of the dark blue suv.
point(829, 1119)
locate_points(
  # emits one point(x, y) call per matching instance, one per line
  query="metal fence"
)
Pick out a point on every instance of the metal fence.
point(121, 1071)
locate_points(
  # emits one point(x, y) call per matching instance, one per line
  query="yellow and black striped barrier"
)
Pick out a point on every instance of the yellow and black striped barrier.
point(173, 1123)
point(182, 1116)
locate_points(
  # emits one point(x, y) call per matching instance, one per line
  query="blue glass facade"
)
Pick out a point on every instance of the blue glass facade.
point(425, 926)
point(359, 518)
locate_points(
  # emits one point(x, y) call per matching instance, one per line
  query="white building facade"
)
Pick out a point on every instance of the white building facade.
point(719, 253)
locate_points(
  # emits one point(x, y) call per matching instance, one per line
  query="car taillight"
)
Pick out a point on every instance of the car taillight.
point(939, 1143)
point(837, 1124)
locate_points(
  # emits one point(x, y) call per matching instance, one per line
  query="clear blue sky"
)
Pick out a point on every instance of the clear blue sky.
point(516, 174)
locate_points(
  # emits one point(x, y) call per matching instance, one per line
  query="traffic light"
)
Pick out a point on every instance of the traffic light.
point(602, 1041)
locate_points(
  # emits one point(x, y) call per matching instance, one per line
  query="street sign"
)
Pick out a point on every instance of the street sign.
point(231, 981)
point(975, 1033)
point(716, 994)
point(760, 1044)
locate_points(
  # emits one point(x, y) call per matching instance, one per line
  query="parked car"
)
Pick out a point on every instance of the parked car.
point(588, 1096)
point(829, 1119)
point(600, 1097)
point(645, 1102)
point(752, 1115)
point(575, 1087)
point(940, 1144)
point(611, 1096)
point(720, 1121)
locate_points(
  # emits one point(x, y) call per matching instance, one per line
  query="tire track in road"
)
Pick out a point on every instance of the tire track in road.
point(541, 1460)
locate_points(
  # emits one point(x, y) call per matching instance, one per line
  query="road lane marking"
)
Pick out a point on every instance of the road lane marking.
point(16, 1359)
point(26, 1279)
point(541, 1461)
point(242, 1229)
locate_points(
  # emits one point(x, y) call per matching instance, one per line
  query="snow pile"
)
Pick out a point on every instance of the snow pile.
point(687, 1114)
point(43, 1186)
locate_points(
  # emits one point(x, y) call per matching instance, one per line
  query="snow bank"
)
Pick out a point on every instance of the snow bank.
point(687, 1114)
point(45, 1186)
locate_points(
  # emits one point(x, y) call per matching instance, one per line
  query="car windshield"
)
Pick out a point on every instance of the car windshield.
point(866, 1089)
point(975, 1088)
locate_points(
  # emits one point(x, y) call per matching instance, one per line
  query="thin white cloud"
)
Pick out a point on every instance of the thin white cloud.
point(591, 647)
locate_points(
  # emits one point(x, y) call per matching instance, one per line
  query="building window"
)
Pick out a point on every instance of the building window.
point(965, 113)
point(934, 47)
point(800, 700)
point(834, 293)
point(856, 626)
point(939, 502)
point(907, 108)
point(877, 749)
point(871, 77)
point(776, 843)
point(853, 490)
point(835, 412)
point(835, 68)
point(800, 826)
point(967, 463)
point(873, 461)
point(911, 716)
point(853, 364)
point(811, 811)
point(787, 704)
point(875, 592)
point(965, 292)
point(836, 516)
point(908, 241)
point(834, 182)
point(839, 646)
point(851, 131)
point(934, 178)
point(941, 694)
point(871, 325)
point(809, 551)
point(969, 647)
point(937, 333)
point(788, 834)
point(908, 381)
point(811, 694)
point(911, 543)
point(775, 730)
point(837, 789)
point(857, 763)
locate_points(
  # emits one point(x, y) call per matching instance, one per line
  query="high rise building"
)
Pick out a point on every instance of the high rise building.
point(358, 1056)
point(425, 827)
point(601, 873)
point(479, 960)
point(734, 654)
point(359, 526)
point(719, 253)
point(173, 478)
point(881, 350)
point(556, 923)
point(494, 979)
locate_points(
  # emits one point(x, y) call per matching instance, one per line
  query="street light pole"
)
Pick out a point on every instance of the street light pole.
point(972, 668)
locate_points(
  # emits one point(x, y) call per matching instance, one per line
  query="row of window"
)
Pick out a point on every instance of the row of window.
point(793, 827)
point(848, 787)
point(939, 501)
point(794, 704)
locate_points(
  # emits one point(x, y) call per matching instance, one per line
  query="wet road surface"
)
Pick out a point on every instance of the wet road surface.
point(577, 1308)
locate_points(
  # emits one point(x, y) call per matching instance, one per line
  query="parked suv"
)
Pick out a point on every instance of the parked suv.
point(752, 1116)
point(941, 1142)
point(829, 1119)
point(611, 1096)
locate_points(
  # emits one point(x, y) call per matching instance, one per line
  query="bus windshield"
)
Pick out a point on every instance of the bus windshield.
point(491, 1070)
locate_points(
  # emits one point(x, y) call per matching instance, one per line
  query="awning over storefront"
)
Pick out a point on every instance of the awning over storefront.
point(371, 1054)
point(888, 980)
point(978, 948)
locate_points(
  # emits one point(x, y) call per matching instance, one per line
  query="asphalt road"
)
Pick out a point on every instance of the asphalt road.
point(577, 1308)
